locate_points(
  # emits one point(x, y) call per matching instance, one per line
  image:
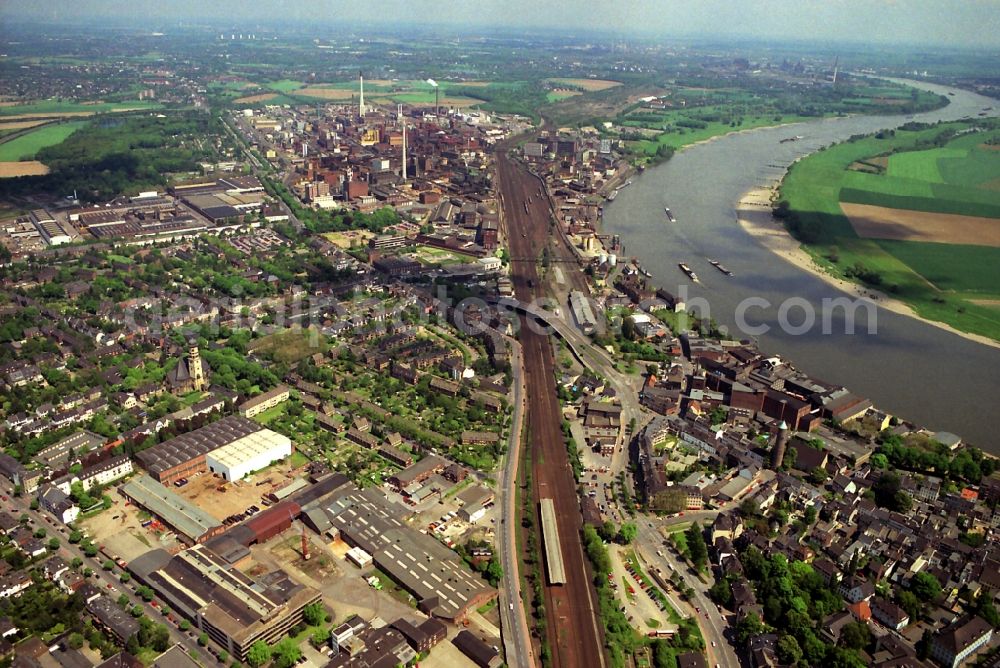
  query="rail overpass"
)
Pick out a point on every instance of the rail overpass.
point(551, 323)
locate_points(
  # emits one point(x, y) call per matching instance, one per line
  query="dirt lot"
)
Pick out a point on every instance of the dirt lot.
point(589, 85)
point(992, 303)
point(124, 536)
point(344, 588)
point(871, 165)
point(23, 168)
point(19, 125)
point(879, 222)
point(203, 491)
point(250, 99)
point(348, 239)
point(63, 114)
point(446, 655)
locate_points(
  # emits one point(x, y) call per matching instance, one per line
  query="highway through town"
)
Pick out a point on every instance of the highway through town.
point(513, 621)
point(574, 631)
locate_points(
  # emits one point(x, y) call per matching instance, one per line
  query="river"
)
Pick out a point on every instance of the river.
point(909, 368)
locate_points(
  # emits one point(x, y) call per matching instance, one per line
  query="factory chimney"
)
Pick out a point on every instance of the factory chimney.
point(361, 101)
point(437, 92)
point(780, 444)
point(402, 120)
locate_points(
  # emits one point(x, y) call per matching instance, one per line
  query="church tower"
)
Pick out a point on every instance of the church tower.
point(195, 367)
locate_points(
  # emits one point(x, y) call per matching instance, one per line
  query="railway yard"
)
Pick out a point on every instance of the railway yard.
point(574, 630)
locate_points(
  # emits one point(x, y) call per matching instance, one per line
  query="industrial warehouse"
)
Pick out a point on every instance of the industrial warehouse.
point(191, 523)
point(234, 610)
point(432, 573)
point(232, 447)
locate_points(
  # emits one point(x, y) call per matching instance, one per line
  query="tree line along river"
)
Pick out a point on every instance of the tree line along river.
point(908, 367)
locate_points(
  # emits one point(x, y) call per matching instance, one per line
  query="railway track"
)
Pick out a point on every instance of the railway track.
point(573, 627)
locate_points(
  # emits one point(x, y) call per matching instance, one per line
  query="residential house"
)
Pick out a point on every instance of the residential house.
point(960, 640)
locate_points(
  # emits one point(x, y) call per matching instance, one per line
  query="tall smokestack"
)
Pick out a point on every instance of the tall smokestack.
point(361, 100)
point(780, 444)
point(305, 545)
point(403, 121)
point(437, 92)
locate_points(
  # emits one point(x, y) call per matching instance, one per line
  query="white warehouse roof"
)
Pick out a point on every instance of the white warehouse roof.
point(261, 446)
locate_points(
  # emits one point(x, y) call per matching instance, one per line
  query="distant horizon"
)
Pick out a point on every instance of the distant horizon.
point(385, 28)
point(964, 25)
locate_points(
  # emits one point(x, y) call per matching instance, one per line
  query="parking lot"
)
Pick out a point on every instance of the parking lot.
point(640, 608)
point(221, 498)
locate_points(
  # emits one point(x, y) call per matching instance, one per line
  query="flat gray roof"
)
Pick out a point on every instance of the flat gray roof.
point(553, 549)
point(420, 563)
point(184, 448)
point(185, 517)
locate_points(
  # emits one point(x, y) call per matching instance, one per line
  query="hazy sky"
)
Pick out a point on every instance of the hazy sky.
point(942, 22)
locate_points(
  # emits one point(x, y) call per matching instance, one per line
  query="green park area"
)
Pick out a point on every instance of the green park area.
point(924, 225)
point(680, 128)
point(128, 154)
point(690, 114)
point(24, 147)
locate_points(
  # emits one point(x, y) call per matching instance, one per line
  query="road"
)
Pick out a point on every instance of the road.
point(101, 578)
point(573, 628)
point(713, 624)
point(513, 622)
point(258, 168)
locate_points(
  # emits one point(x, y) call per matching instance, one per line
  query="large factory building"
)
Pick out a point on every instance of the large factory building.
point(232, 447)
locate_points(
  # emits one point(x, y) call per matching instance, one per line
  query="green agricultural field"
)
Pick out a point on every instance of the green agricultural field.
point(923, 196)
point(50, 107)
point(556, 96)
point(519, 97)
point(938, 169)
point(815, 186)
point(948, 179)
point(922, 165)
point(285, 85)
point(428, 98)
point(954, 267)
point(27, 145)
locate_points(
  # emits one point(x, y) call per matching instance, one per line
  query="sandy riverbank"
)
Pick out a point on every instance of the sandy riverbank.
point(753, 213)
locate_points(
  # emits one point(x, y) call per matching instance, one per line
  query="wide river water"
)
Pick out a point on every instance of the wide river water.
point(908, 367)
